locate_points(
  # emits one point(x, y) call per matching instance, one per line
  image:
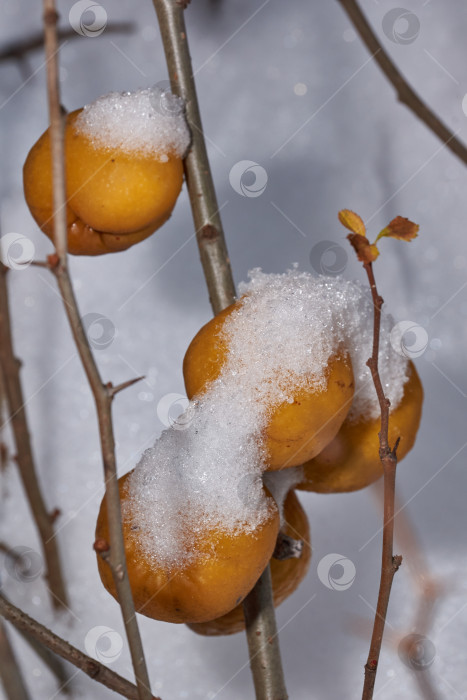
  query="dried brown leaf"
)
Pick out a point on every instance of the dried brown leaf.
point(401, 228)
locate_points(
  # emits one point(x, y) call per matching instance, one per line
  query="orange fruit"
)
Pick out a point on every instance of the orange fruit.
point(351, 460)
point(296, 431)
point(226, 567)
point(114, 199)
point(286, 574)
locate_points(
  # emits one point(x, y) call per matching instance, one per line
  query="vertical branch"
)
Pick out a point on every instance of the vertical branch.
point(258, 606)
point(4, 455)
point(389, 563)
point(102, 394)
point(24, 456)
point(57, 129)
point(206, 218)
point(10, 673)
point(261, 634)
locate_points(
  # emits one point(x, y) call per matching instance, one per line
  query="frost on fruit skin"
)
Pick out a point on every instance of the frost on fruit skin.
point(135, 123)
point(206, 470)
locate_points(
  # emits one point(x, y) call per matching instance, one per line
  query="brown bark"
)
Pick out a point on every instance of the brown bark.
point(102, 393)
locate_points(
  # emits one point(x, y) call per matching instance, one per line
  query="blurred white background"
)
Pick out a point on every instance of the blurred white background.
point(290, 87)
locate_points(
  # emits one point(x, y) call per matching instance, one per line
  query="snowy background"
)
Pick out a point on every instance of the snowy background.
point(290, 87)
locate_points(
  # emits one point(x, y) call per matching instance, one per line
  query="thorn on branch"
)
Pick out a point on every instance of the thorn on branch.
point(394, 449)
point(209, 233)
point(40, 263)
point(101, 546)
point(53, 261)
point(124, 385)
point(51, 17)
point(54, 514)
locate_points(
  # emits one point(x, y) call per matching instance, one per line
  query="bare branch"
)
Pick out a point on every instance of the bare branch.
point(405, 93)
point(53, 663)
point(10, 673)
point(208, 225)
point(19, 49)
point(24, 455)
point(57, 129)
point(94, 669)
point(258, 606)
point(262, 636)
point(50, 660)
point(4, 452)
point(389, 563)
point(101, 394)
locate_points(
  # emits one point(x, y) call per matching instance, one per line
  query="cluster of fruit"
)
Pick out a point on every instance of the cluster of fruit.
point(278, 378)
point(276, 381)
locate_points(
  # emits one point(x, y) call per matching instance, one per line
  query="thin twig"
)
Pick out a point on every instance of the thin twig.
point(57, 131)
point(101, 393)
point(94, 669)
point(17, 50)
point(258, 606)
point(24, 455)
point(10, 672)
point(52, 662)
point(4, 453)
point(430, 589)
point(124, 385)
point(388, 456)
point(393, 638)
point(405, 93)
